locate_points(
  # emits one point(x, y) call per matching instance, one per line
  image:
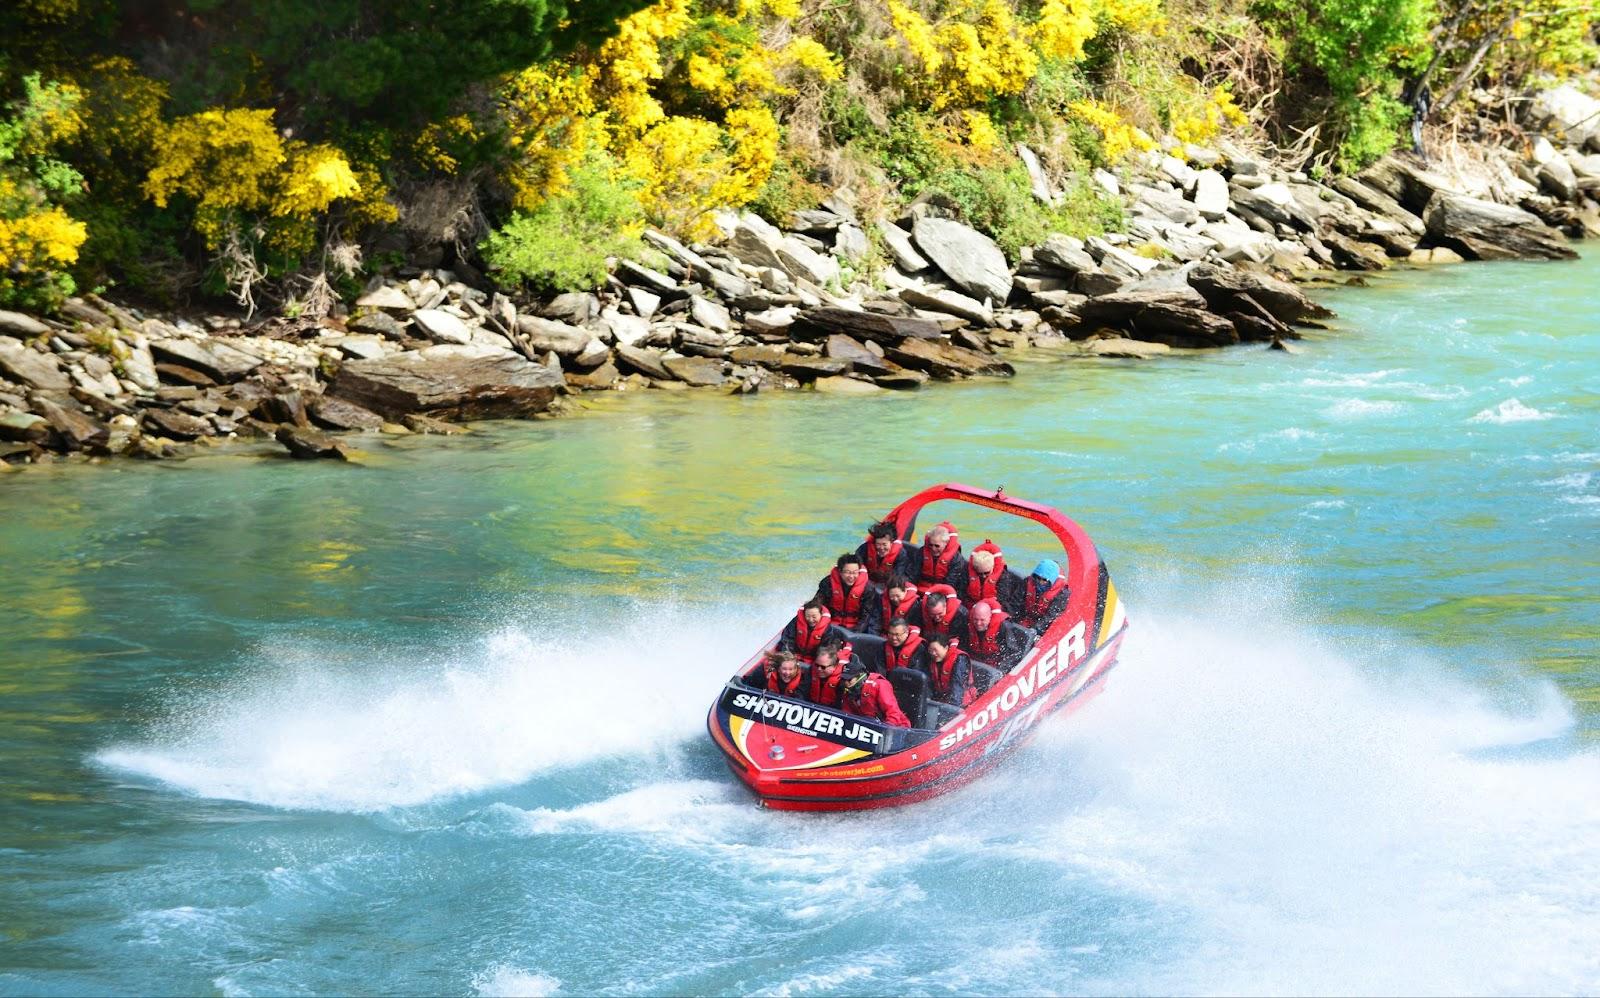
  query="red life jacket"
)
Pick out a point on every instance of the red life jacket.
point(982, 587)
point(879, 569)
point(825, 692)
point(807, 639)
point(952, 606)
point(938, 569)
point(1034, 604)
point(903, 608)
point(985, 645)
point(900, 658)
point(941, 673)
point(846, 602)
point(777, 685)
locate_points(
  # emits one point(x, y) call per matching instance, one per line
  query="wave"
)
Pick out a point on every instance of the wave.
point(1362, 408)
point(513, 982)
point(1511, 411)
point(389, 733)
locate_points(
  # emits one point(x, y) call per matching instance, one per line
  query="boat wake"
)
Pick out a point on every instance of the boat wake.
point(1253, 806)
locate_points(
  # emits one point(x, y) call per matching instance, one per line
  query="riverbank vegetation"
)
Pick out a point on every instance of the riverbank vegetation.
point(282, 153)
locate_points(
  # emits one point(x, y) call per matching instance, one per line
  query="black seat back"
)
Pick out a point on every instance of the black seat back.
point(984, 677)
point(911, 690)
point(868, 650)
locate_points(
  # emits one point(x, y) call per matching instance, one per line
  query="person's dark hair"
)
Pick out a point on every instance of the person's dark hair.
point(897, 581)
point(942, 640)
point(937, 599)
point(899, 622)
point(883, 528)
point(812, 604)
point(831, 647)
point(848, 558)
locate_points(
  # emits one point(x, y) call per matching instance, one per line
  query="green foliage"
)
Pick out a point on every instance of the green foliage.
point(563, 244)
point(787, 191)
point(1355, 52)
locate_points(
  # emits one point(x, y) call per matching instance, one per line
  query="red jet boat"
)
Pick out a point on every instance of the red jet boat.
point(800, 756)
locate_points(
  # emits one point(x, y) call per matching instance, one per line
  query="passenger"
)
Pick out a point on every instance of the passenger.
point(826, 674)
point(987, 578)
point(845, 592)
point(903, 647)
point(942, 614)
point(886, 555)
point(941, 558)
point(867, 694)
point(949, 672)
point(992, 637)
point(1045, 596)
point(900, 599)
point(811, 626)
point(784, 675)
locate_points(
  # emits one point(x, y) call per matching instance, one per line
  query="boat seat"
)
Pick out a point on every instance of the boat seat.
point(911, 691)
point(984, 676)
point(940, 713)
point(868, 649)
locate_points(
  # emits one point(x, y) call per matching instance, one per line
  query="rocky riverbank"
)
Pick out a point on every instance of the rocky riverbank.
point(1213, 239)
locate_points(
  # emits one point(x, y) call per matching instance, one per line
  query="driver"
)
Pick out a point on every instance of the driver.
point(867, 694)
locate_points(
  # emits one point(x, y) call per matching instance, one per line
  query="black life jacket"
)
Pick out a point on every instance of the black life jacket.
point(900, 658)
point(807, 639)
point(982, 587)
point(937, 569)
point(943, 673)
point(1035, 604)
point(879, 569)
point(985, 645)
point(846, 602)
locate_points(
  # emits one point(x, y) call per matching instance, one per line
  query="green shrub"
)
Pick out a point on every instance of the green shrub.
point(563, 244)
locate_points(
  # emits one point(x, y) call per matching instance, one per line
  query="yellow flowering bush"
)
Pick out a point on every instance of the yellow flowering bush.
point(1118, 136)
point(1217, 112)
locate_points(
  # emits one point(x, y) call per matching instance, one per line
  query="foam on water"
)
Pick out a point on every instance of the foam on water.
point(519, 702)
point(1356, 408)
point(1511, 411)
point(514, 982)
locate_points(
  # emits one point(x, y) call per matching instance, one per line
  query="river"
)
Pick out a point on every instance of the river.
point(434, 723)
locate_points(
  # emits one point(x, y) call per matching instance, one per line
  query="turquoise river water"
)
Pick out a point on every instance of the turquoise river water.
point(434, 723)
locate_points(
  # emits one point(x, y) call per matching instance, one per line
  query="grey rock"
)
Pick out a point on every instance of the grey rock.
point(1484, 230)
point(1379, 203)
point(377, 324)
point(215, 358)
point(387, 297)
point(359, 347)
point(851, 243)
point(624, 330)
point(968, 257)
point(711, 315)
point(644, 360)
point(841, 347)
point(1169, 205)
point(1038, 180)
point(1121, 347)
point(759, 355)
point(17, 324)
point(548, 335)
point(701, 372)
point(452, 385)
point(949, 302)
point(1585, 171)
point(305, 443)
point(801, 261)
point(174, 424)
point(573, 307)
point(644, 301)
point(593, 354)
point(28, 367)
point(945, 360)
point(885, 329)
point(755, 241)
point(338, 414)
point(806, 368)
point(441, 327)
point(602, 377)
point(771, 320)
point(638, 275)
point(1568, 113)
point(24, 427)
point(1063, 253)
point(1211, 195)
point(1224, 288)
point(815, 220)
point(901, 249)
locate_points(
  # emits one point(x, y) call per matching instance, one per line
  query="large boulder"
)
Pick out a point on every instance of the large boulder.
point(76, 429)
point(1211, 195)
point(1063, 253)
point(1569, 114)
point(1120, 307)
point(450, 385)
point(17, 324)
point(215, 359)
point(1484, 230)
point(901, 249)
point(1404, 182)
point(967, 256)
point(1379, 203)
point(935, 299)
point(550, 335)
point(442, 327)
point(1224, 288)
point(946, 360)
point(29, 367)
point(819, 322)
point(306, 443)
point(643, 360)
point(701, 372)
